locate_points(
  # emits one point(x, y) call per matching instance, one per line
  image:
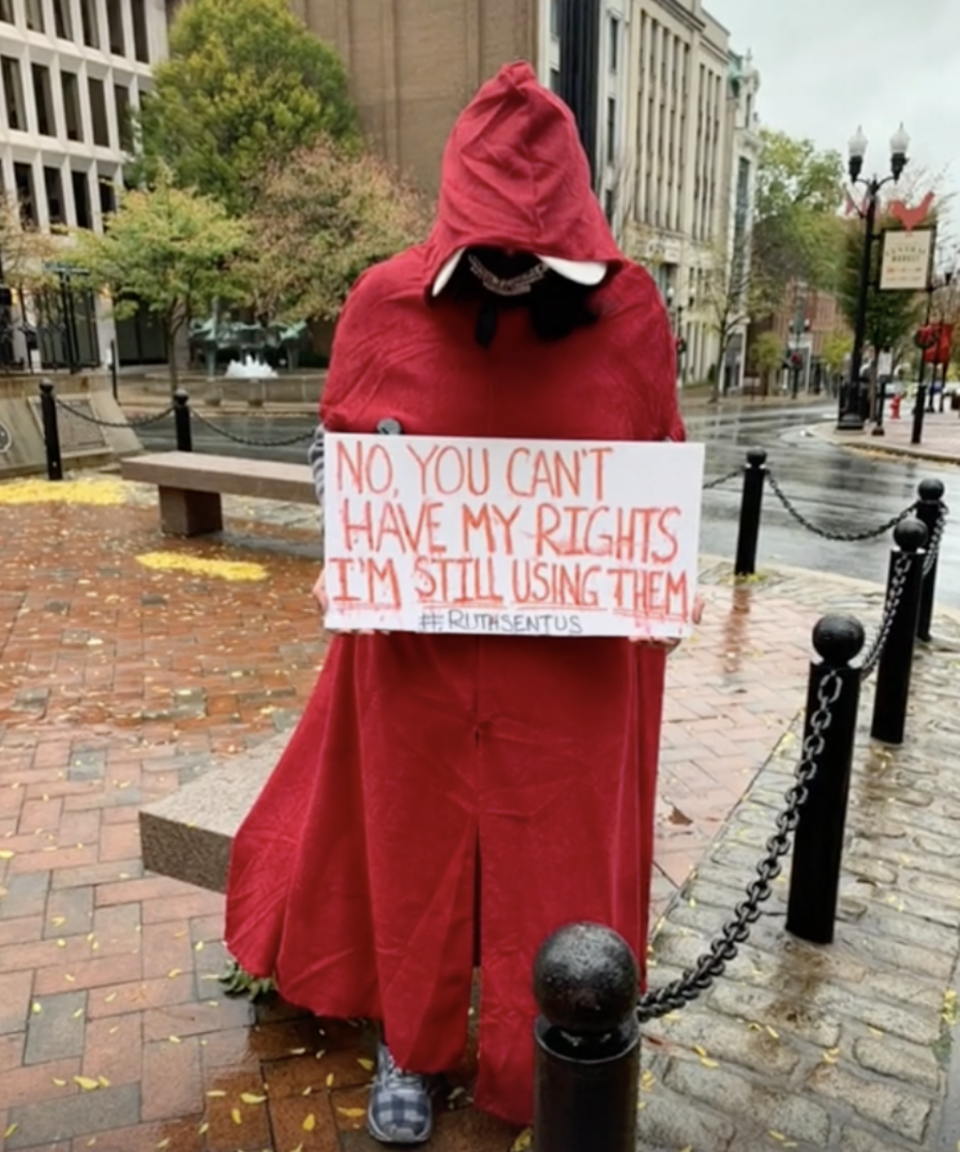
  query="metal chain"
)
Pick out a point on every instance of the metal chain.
point(138, 423)
point(723, 479)
point(724, 948)
point(933, 547)
point(847, 537)
point(901, 570)
point(298, 439)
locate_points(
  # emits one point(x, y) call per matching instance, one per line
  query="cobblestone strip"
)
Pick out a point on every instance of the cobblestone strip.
point(844, 1048)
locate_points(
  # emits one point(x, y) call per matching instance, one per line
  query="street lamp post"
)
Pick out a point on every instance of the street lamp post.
point(851, 415)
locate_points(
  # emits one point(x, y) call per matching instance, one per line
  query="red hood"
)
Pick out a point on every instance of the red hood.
point(515, 175)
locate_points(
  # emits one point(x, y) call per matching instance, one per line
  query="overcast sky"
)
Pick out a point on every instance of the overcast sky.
point(829, 65)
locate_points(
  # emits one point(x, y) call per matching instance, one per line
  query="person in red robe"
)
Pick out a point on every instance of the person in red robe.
point(454, 798)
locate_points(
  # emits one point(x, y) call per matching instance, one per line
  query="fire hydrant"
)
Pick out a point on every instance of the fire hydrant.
point(895, 403)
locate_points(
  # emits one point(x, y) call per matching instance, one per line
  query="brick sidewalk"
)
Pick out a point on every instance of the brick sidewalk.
point(940, 438)
point(122, 676)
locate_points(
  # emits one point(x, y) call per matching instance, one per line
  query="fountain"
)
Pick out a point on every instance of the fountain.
point(250, 368)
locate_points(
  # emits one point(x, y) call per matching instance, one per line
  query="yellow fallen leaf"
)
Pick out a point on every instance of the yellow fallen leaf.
point(165, 1143)
point(174, 972)
point(699, 1049)
point(78, 1014)
point(364, 1062)
point(309, 1122)
point(776, 1135)
point(204, 1127)
point(174, 1039)
point(91, 1141)
point(6, 854)
point(104, 1082)
point(299, 1147)
point(773, 1032)
point(56, 921)
point(69, 977)
point(250, 1098)
point(216, 1092)
point(61, 943)
point(59, 1083)
point(647, 1080)
point(36, 1008)
point(110, 999)
point(198, 947)
point(297, 1051)
point(320, 1055)
point(523, 1141)
point(352, 1113)
point(330, 1080)
point(306, 1091)
point(10, 1129)
point(708, 1063)
point(86, 1083)
point(235, 1116)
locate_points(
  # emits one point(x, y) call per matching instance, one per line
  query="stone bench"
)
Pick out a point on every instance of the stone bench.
point(191, 484)
point(188, 834)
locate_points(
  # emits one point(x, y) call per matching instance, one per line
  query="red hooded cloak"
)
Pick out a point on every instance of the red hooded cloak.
point(421, 759)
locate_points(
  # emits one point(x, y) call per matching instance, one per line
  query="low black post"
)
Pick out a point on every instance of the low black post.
point(181, 419)
point(818, 847)
point(930, 511)
point(588, 1042)
point(878, 428)
point(113, 369)
point(754, 477)
point(51, 433)
point(896, 663)
point(918, 413)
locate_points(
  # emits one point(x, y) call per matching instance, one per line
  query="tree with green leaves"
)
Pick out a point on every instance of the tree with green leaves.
point(837, 346)
point(768, 355)
point(173, 250)
point(320, 220)
point(796, 227)
point(245, 86)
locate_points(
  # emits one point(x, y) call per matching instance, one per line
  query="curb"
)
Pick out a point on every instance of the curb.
point(899, 451)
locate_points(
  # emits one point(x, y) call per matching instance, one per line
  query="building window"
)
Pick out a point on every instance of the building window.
point(98, 113)
point(23, 182)
point(614, 44)
point(6, 11)
point(555, 80)
point(81, 199)
point(88, 18)
point(61, 19)
point(34, 15)
point(611, 129)
point(141, 44)
point(115, 27)
point(43, 97)
point(53, 185)
point(108, 197)
point(554, 17)
point(121, 99)
point(71, 105)
point(13, 90)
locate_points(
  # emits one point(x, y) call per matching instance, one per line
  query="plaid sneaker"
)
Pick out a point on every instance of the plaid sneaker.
point(400, 1111)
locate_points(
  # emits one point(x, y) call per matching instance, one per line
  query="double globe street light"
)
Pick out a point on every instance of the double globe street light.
point(851, 405)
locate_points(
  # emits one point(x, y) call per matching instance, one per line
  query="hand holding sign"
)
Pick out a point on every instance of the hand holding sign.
point(555, 538)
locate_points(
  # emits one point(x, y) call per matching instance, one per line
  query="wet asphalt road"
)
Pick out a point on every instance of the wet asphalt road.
point(836, 489)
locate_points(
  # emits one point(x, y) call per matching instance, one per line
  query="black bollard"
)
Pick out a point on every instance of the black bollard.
point(930, 511)
point(878, 428)
point(818, 847)
point(754, 477)
point(893, 673)
point(588, 1042)
point(51, 433)
point(181, 419)
point(918, 413)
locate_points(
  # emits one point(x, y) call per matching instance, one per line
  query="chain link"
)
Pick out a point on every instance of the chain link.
point(138, 423)
point(847, 537)
point(300, 438)
point(723, 479)
point(933, 546)
point(724, 948)
point(901, 570)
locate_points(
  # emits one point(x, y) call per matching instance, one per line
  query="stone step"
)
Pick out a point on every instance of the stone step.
point(188, 835)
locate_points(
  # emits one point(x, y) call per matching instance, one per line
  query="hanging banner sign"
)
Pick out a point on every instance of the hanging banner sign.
point(906, 260)
point(511, 537)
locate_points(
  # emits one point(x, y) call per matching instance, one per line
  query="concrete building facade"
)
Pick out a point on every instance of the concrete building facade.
point(71, 72)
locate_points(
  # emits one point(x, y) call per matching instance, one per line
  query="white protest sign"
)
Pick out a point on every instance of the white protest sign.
point(511, 537)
